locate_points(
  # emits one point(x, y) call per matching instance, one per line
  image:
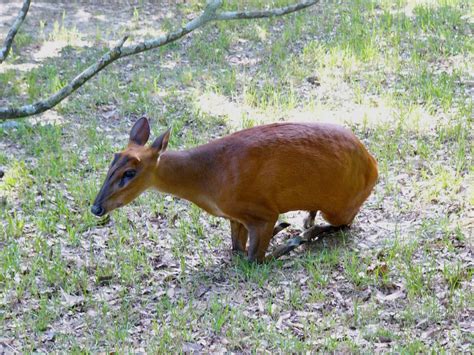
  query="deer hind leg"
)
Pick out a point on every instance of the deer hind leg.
point(320, 231)
point(341, 219)
point(260, 234)
point(308, 222)
point(239, 236)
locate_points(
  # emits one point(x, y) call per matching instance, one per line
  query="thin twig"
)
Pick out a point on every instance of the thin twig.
point(5, 50)
point(209, 14)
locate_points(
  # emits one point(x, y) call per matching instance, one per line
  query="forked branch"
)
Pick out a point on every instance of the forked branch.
point(209, 14)
point(5, 50)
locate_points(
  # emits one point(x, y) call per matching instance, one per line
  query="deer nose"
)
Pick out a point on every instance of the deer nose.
point(97, 210)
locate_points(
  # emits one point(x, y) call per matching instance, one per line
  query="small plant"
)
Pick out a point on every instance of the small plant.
point(219, 314)
point(453, 274)
point(355, 269)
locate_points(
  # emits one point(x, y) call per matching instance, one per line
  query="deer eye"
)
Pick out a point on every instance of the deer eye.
point(129, 174)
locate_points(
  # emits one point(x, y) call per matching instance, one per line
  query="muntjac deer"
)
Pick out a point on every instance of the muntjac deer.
point(249, 177)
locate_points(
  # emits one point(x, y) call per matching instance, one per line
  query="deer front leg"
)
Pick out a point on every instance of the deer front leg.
point(239, 236)
point(260, 234)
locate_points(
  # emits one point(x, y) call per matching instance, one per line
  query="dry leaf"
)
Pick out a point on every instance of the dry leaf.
point(170, 293)
point(391, 297)
point(379, 268)
point(71, 300)
point(191, 347)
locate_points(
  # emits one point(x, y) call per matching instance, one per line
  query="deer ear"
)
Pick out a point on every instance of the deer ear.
point(160, 143)
point(140, 132)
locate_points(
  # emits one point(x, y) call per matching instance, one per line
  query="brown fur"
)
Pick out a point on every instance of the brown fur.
point(252, 176)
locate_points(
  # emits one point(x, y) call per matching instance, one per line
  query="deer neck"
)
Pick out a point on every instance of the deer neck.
point(182, 174)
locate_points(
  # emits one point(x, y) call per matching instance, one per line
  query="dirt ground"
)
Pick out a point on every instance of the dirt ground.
point(158, 275)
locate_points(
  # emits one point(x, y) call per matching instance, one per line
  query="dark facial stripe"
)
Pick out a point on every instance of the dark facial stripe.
point(117, 163)
point(123, 162)
point(116, 157)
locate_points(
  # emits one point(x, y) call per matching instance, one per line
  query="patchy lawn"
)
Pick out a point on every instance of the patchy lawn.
point(158, 274)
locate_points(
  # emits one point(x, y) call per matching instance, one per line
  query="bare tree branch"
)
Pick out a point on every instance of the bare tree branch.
point(209, 14)
point(246, 15)
point(13, 30)
point(77, 82)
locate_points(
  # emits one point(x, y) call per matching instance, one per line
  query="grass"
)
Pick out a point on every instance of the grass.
point(158, 275)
